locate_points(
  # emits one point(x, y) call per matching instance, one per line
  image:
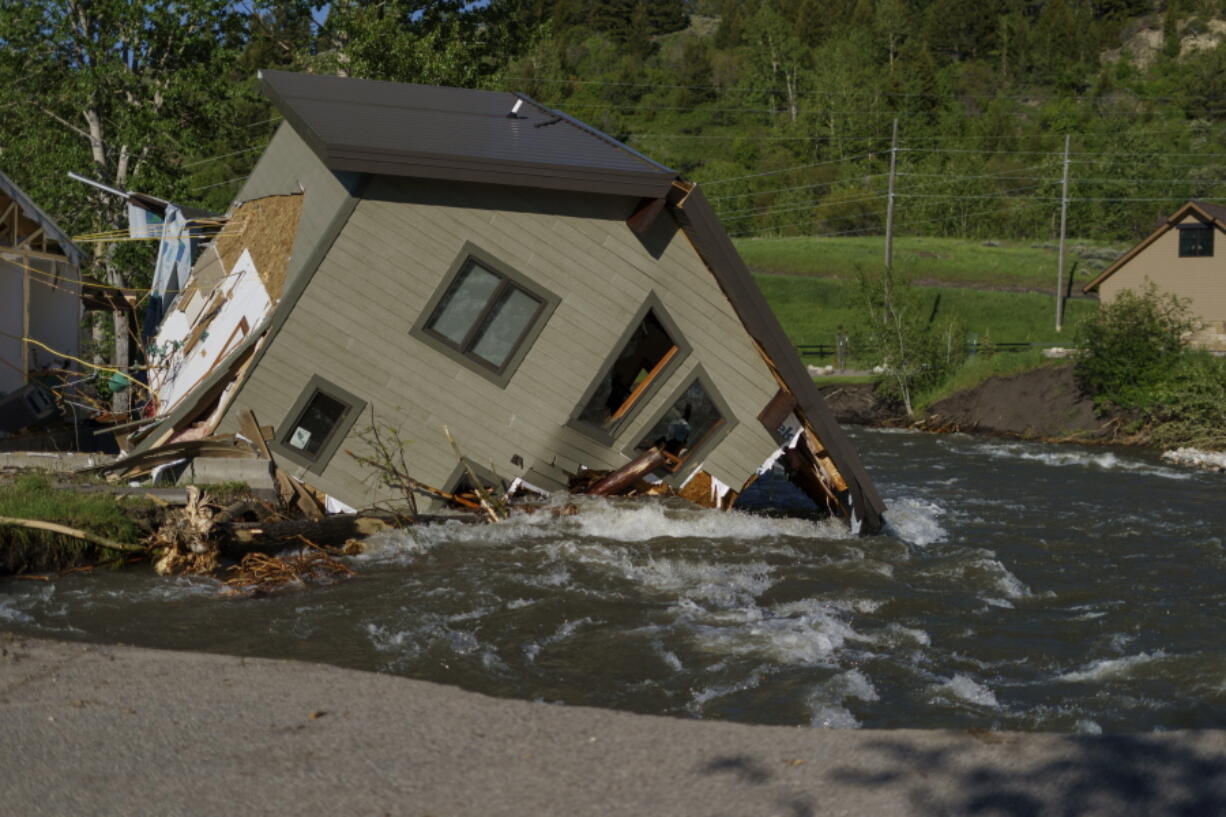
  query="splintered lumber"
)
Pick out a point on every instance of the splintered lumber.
point(290, 492)
point(137, 465)
point(629, 474)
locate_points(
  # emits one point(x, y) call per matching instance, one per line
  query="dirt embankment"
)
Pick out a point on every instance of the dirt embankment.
point(1043, 403)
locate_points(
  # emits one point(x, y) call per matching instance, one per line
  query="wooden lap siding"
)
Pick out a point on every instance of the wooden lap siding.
point(352, 326)
point(1201, 280)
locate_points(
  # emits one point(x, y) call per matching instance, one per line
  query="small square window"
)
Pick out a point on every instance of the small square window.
point(1195, 241)
point(695, 419)
point(318, 422)
point(486, 316)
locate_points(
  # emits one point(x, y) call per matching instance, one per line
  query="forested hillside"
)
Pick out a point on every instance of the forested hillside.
point(783, 109)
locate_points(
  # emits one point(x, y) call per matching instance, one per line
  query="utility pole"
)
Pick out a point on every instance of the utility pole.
point(889, 202)
point(1063, 227)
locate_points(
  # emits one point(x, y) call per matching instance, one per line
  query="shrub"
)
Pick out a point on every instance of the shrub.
point(1128, 346)
point(1192, 403)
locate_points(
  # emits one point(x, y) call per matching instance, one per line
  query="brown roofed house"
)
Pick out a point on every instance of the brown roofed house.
point(1185, 255)
point(477, 261)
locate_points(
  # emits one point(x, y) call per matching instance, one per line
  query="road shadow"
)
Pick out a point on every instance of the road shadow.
point(1108, 775)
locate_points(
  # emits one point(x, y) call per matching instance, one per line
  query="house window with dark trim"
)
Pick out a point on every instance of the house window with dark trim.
point(1195, 241)
point(694, 419)
point(317, 423)
point(484, 316)
point(643, 360)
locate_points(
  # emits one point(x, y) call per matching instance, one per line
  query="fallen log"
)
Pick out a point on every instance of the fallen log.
point(38, 524)
point(630, 473)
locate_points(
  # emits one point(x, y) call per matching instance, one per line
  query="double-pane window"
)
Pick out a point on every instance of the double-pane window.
point(1195, 241)
point(484, 315)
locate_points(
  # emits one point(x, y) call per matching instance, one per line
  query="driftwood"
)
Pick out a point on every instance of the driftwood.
point(38, 524)
point(629, 474)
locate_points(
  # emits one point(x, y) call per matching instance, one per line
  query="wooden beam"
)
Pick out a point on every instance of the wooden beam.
point(13, 254)
point(25, 242)
point(25, 320)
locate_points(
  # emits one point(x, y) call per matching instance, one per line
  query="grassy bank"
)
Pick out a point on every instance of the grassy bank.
point(1013, 264)
point(34, 496)
point(812, 310)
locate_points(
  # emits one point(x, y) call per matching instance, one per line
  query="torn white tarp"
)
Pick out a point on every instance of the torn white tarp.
point(174, 262)
point(779, 452)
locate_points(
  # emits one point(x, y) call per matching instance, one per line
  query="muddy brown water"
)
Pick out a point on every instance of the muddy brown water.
point(1020, 586)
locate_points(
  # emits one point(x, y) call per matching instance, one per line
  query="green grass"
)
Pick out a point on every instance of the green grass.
point(33, 496)
point(812, 310)
point(1014, 264)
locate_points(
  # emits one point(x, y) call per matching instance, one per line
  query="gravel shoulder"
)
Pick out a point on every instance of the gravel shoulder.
point(113, 730)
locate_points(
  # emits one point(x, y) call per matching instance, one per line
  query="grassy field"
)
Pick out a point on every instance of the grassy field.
point(812, 310)
point(1013, 264)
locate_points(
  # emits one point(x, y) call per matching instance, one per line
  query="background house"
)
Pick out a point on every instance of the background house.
point(40, 290)
point(1186, 256)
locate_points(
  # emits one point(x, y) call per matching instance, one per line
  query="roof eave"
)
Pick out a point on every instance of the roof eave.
point(1167, 225)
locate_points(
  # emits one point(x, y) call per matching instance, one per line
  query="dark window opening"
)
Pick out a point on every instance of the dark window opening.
point(687, 424)
point(484, 316)
point(1195, 241)
point(314, 427)
point(640, 363)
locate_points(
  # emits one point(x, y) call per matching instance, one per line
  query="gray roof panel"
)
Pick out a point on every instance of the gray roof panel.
point(399, 129)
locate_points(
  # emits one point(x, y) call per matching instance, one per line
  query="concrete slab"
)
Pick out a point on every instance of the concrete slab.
point(255, 473)
point(53, 460)
point(107, 730)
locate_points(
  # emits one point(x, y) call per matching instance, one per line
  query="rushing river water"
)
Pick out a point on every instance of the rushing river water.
point(1021, 586)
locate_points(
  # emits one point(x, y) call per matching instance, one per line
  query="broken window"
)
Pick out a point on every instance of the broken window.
point(692, 421)
point(317, 423)
point(640, 364)
point(484, 315)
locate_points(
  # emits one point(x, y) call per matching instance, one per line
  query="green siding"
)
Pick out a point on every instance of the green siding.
point(352, 323)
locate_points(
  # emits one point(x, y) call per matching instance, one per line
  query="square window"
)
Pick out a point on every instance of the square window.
point(317, 424)
point(1195, 241)
point(645, 355)
point(485, 316)
point(694, 419)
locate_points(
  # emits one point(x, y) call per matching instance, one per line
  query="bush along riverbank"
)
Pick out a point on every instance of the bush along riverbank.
point(1133, 381)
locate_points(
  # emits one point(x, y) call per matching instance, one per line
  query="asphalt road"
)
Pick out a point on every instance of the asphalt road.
point(109, 730)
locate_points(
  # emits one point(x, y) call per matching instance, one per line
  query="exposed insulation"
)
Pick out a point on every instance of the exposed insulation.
point(266, 227)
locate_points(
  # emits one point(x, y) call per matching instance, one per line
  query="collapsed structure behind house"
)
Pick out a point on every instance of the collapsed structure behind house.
point(436, 257)
point(40, 290)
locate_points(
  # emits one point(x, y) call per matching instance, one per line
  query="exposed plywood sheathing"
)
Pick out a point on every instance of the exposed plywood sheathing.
point(265, 227)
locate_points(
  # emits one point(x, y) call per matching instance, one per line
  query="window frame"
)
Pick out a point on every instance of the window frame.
point(1198, 227)
point(674, 473)
point(354, 406)
point(662, 374)
point(499, 375)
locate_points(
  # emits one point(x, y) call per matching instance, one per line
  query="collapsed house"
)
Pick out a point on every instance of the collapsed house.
point(40, 307)
point(445, 262)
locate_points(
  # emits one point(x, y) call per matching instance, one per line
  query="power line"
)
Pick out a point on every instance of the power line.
point(789, 169)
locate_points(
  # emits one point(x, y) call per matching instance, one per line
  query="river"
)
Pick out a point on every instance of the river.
point(1019, 586)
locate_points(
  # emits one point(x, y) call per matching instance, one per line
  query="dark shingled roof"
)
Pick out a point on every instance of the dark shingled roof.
point(425, 131)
